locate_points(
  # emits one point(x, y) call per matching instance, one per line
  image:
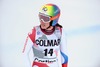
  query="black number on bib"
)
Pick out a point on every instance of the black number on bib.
point(48, 52)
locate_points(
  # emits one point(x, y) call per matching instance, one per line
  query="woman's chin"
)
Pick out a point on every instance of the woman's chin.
point(43, 26)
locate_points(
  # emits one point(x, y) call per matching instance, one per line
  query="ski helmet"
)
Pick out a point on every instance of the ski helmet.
point(48, 13)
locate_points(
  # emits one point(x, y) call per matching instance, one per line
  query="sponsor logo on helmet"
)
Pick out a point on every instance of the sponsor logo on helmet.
point(44, 9)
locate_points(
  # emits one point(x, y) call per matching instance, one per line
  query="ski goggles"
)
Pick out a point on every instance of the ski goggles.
point(46, 18)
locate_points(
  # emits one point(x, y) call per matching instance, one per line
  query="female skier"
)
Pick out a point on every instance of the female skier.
point(47, 40)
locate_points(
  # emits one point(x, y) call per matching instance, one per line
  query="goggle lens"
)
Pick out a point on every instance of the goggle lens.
point(44, 18)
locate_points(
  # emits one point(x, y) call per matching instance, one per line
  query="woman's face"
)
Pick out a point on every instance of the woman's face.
point(44, 25)
point(44, 20)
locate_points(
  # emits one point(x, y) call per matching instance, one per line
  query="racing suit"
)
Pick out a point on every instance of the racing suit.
point(47, 47)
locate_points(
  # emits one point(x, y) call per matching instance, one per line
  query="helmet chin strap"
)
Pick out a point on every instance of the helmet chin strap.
point(50, 24)
point(48, 27)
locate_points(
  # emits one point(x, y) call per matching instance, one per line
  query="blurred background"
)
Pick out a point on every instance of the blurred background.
point(80, 19)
